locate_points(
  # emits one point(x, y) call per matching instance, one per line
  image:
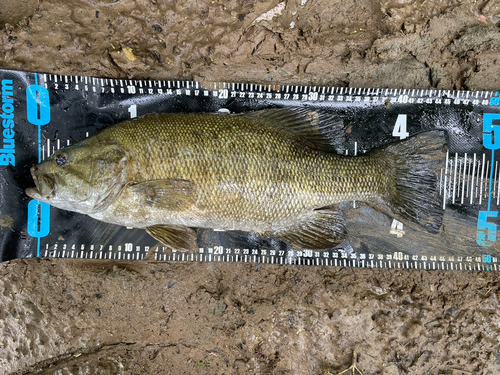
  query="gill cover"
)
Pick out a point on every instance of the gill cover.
point(108, 176)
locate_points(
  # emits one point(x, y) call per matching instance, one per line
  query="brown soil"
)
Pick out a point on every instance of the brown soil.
point(91, 317)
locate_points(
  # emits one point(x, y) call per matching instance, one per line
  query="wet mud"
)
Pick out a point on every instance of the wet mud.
point(92, 317)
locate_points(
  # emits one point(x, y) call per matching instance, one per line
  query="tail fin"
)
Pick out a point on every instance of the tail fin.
point(416, 164)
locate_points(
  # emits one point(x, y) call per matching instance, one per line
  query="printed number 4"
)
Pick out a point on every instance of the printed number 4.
point(400, 128)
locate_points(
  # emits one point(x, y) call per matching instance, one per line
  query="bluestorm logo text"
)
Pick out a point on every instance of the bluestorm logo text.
point(7, 153)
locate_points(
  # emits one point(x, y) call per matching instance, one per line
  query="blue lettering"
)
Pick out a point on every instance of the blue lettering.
point(495, 100)
point(7, 107)
point(7, 159)
point(8, 133)
point(7, 88)
point(8, 150)
point(487, 258)
point(8, 123)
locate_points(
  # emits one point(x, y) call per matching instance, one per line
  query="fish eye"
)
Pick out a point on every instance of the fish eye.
point(61, 159)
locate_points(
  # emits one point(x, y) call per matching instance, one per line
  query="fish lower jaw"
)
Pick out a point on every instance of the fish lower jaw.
point(34, 193)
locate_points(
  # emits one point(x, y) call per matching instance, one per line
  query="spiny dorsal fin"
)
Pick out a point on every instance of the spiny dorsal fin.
point(313, 128)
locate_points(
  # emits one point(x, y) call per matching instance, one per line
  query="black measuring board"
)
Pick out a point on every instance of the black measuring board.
point(43, 112)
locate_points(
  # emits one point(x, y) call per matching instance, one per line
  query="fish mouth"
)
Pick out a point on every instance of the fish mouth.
point(44, 188)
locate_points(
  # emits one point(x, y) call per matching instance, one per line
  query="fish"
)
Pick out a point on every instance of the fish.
point(275, 172)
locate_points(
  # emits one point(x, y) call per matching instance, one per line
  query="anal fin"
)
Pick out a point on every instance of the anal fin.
point(176, 237)
point(325, 229)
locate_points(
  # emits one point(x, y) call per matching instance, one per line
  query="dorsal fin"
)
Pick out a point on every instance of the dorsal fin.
point(313, 128)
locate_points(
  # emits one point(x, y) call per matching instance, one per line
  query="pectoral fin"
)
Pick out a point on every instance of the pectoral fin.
point(175, 237)
point(170, 193)
point(325, 229)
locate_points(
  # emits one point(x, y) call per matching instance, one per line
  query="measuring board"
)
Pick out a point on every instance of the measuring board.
point(43, 112)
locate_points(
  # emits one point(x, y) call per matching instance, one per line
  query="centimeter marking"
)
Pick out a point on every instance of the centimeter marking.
point(284, 92)
point(464, 179)
point(397, 260)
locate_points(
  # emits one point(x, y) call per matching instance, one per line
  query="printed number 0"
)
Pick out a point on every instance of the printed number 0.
point(400, 128)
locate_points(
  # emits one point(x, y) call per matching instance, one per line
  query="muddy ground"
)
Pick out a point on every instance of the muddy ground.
point(92, 317)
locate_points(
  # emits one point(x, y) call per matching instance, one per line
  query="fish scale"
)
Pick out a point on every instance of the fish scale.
point(260, 176)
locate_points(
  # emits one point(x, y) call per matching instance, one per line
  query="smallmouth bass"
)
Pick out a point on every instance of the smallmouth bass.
point(273, 172)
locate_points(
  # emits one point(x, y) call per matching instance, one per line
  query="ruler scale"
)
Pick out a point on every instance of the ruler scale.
point(52, 111)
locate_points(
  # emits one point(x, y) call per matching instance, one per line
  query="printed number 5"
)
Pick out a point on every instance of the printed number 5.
point(484, 227)
point(491, 140)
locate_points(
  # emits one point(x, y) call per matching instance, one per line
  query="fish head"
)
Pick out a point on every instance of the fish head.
point(83, 178)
